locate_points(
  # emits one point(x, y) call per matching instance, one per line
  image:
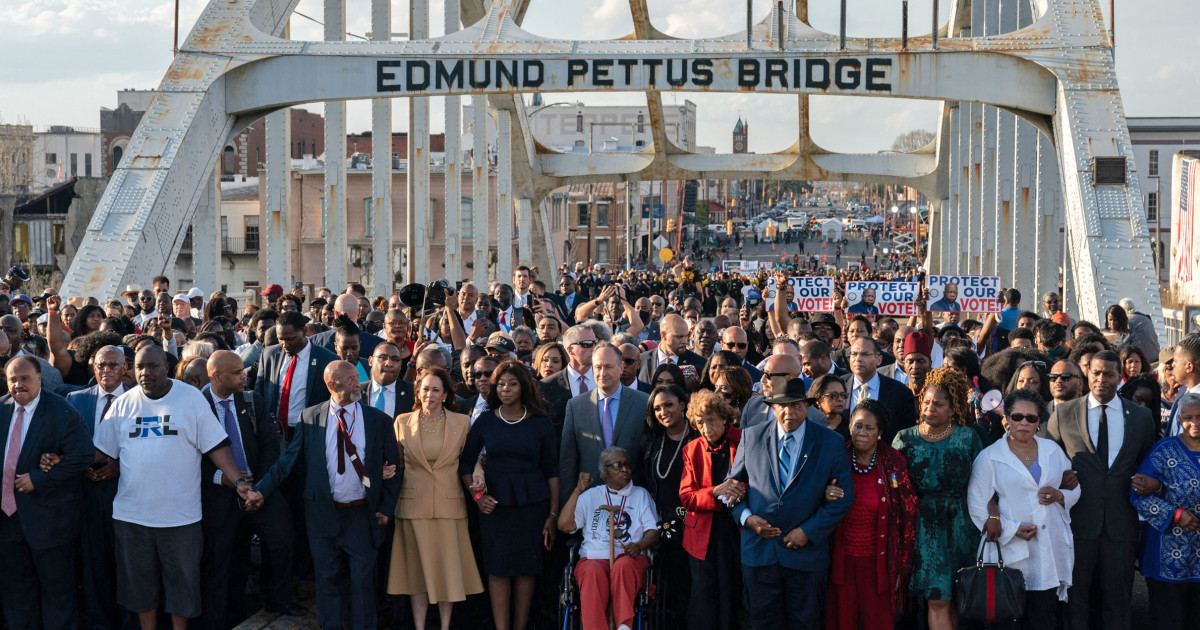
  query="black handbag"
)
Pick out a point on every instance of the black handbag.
point(989, 592)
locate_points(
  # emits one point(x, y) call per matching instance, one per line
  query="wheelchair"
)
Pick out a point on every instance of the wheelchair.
point(649, 611)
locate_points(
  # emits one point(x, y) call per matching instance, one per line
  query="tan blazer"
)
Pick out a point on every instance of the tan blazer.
point(431, 489)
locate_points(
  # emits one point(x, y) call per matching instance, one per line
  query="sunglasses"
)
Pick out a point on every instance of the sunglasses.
point(584, 344)
point(487, 374)
point(1066, 378)
point(619, 466)
point(1027, 418)
point(776, 375)
point(739, 346)
point(629, 361)
point(839, 396)
point(1041, 364)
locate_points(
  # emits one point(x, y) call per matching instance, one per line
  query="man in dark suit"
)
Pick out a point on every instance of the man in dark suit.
point(97, 542)
point(672, 348)
point(39, 511)
point(574, 379)
point(734, 340)
point(785, 517)
point(567, 299)
point(609, 415)
point(385, 390)
point(816, 361)
point(345, 304)
point(631, 363)
point(1106, 438)
point(864, 380)
point(254, 443)
point(343, 447)
point(289, 374)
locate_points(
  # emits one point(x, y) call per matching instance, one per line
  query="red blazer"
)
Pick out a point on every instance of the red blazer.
point(695, 492)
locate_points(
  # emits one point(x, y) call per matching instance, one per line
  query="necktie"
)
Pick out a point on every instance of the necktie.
point(108, 398)
point(785, 459)
point(606, 422)
point(285, 393)
point(583, 388)
point(380, 403)
point(1102, 438)
point(346, 446)
point(864, 392)
point(235, 435)
point(8, 500)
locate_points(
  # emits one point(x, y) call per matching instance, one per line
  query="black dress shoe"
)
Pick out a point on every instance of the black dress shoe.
point(291, 610)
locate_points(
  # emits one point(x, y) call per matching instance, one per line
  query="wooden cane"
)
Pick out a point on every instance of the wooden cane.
point(614, 513)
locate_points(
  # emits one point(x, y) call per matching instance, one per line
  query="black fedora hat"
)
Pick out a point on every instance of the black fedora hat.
point(795, 391)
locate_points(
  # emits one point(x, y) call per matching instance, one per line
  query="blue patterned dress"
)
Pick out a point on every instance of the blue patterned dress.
point(1170, 554)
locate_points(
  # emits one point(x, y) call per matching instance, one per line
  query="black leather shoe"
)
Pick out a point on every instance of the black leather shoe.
point(290, 610)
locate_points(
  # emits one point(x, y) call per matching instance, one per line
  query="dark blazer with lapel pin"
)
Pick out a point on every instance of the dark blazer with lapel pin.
point(582, 440)
point(897, 398)
point(1104, 505)
point(84, 401)
point(260, 440)
point(269, 384)
point(404, 395)
point(650, 363)
point(821, 459)
point(566, 312)
point(307, 448)
point(50, 514)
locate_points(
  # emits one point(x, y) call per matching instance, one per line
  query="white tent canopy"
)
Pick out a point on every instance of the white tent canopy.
point(831, 229)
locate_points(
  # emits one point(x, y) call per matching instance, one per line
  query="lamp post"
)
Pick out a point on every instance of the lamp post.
point(895, 209)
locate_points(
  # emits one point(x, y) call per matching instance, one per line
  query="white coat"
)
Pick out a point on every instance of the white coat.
point(1048, 559)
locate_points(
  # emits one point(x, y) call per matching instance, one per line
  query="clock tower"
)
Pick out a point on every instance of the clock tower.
point(740, 139)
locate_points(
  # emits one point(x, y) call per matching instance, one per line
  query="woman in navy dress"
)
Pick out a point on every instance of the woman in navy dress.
point(519, 496)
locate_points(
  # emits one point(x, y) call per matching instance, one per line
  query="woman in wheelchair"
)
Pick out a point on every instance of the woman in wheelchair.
point(619, 523)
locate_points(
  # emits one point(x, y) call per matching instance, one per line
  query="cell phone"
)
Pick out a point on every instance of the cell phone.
point(480, 314)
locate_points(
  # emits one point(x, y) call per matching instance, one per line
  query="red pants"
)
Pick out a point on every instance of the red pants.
point(596, 586)
point(857, 598)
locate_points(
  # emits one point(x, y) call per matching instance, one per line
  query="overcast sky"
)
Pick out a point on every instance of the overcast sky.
point(65, 59)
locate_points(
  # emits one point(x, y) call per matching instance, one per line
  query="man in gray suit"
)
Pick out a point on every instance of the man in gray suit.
point(1106, 438)
point(609, 415)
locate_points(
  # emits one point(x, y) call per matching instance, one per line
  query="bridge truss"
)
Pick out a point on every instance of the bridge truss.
point(1031, 114)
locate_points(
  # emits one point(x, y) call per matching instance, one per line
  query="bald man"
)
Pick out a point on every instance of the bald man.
point(779, 368)
point(673, 331)
point(345, 446)
point(347, 304)
point(254, 443)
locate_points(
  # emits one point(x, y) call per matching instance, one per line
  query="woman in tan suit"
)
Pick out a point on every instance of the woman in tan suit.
point(431, 554)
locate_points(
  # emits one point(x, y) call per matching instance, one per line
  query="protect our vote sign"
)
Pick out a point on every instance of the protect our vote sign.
point(963, 294)
point(895, 299)
point(810, 294)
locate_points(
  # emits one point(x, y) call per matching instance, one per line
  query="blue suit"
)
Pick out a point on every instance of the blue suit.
point(37, 543)
point(97, 541)
point(337, 533)
point(786, 587)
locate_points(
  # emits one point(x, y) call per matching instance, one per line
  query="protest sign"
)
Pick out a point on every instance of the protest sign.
point(811, 294)
point(894, 299)
point(963, 294)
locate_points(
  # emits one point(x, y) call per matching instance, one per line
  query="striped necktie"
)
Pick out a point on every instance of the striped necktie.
point(785, 459)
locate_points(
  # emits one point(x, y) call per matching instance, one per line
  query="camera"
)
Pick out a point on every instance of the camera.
point(425, 296)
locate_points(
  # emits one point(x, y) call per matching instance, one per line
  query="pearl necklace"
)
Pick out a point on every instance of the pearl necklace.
point(870, 465)
point(937, 438)
point(430, 425)
point(662, 447)
point(524, 414)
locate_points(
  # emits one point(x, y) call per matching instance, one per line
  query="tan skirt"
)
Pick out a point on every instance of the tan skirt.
point(433, 556)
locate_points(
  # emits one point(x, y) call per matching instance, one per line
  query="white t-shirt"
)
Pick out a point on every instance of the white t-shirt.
point(159, 443)
point(638, 515)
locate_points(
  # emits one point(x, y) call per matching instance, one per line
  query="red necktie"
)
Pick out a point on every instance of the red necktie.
point(286, 393)
point(347, 450)
point(8, 500)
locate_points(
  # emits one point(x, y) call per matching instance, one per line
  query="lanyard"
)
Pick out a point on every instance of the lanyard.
point(608, 501)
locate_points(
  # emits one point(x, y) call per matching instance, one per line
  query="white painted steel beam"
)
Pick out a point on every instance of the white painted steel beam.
point(335, 165)
point(278, 173)
point(381, 167)
point(418, 204)
point(453, 177)
point(480, 171)
point(504, 196)
point(206, 241)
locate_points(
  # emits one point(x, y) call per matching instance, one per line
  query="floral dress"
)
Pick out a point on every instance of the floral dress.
point(947, 540)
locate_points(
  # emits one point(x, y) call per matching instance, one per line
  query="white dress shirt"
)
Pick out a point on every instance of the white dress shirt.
point(573, 379)
point(389, 397)
point(872, 389)
point(479, 408)
point(663, 357)
point(30, 409)
point(1116, 424)
point(614, 404)
point(298, 396)
point(347, 486)
point(521, 300)
point(100, 402)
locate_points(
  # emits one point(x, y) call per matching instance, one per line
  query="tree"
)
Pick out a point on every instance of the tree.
point(910, 141)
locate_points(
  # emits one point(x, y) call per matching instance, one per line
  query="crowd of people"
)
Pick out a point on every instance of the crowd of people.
point(455, 448)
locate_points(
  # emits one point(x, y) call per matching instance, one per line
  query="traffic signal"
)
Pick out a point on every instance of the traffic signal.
point(670, 224)
point(729, 227)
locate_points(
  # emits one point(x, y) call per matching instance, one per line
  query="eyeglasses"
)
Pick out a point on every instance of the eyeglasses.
point(584, 344)
point(1066, 378)
point(487, 374)
point(863, 355)
point(740, 345)
point(619, 466)
point(1020, 417)
point(838, 396)
point(109, 366)
point(777, 375)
